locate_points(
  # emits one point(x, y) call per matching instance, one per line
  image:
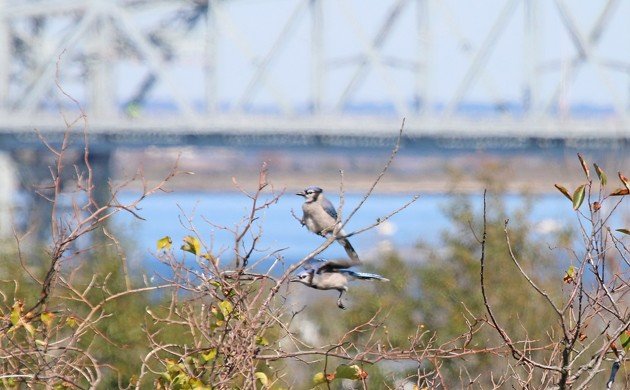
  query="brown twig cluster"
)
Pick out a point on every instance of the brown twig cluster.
point(226, 318)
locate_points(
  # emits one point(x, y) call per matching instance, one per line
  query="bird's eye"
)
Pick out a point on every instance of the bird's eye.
point(309, 192)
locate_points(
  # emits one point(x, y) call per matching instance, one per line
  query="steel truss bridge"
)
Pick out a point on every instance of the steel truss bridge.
point(491, 68)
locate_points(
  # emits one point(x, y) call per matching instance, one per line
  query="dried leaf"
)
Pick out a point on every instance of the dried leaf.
point(584, 166)
point(29, 327)
point(624, 231)
point(601, 175)
point(564, 191)
point(596, 206)
point(624, 339)
point(578, 196)
point(620, 192)
point(624, 180)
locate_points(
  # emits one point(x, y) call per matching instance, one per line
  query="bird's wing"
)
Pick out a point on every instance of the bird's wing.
point(363, 275)
point(329, 208)
point(336, 264)
point(315, 263)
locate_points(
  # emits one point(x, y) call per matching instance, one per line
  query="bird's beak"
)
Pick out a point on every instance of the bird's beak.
point(301, 193)
point(294, 280)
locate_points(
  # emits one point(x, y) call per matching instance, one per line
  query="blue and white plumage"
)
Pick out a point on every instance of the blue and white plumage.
point(320, 217)
point(316, 275)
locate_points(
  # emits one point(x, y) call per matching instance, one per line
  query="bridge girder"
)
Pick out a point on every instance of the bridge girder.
point(121, 59)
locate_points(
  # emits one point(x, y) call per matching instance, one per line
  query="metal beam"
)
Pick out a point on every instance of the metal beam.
point(372, 56)
point(262, 67)
point(481, 57)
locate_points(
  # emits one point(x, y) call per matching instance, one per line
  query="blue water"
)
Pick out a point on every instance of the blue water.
point(167, 214)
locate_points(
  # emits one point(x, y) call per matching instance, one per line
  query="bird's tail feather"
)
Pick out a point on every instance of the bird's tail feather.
point(349, 250)
point(367, 276)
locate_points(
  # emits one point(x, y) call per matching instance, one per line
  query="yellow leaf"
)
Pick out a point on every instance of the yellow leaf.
point(210, 355)
point(262, 341)
point(192, 245)
point(262, 377)
point(164, 243)
point(47, 318)
point(71, 321)
point(226, 308)
point(16, 312)
point(569, 276)
point(320, 378)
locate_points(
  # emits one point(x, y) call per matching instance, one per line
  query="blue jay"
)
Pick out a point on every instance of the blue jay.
point(320, 217)
point(331, 278)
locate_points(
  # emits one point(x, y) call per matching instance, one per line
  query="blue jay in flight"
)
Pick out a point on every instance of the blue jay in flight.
point(331, 278)
point(320, 217)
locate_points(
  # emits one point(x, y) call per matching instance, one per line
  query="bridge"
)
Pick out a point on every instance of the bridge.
point(210, 68)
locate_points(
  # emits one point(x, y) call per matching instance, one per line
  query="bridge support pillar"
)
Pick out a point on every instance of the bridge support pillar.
point(8, 187)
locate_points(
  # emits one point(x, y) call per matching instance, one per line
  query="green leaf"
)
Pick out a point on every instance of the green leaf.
point(262, 341)
point(350, 372)
point(262, 377)
point(164, 243)
point(578, 196)
point(624, 231)
point(601, 175)
point(192, 245)
point(217, 314)
point(226, 308)
point(210, 355)
point(564, 191)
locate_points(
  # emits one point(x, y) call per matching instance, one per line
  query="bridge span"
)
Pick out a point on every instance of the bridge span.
point(306, 69)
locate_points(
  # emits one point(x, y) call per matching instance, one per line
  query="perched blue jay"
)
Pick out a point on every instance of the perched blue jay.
point(320, 217)
point(331, 278)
